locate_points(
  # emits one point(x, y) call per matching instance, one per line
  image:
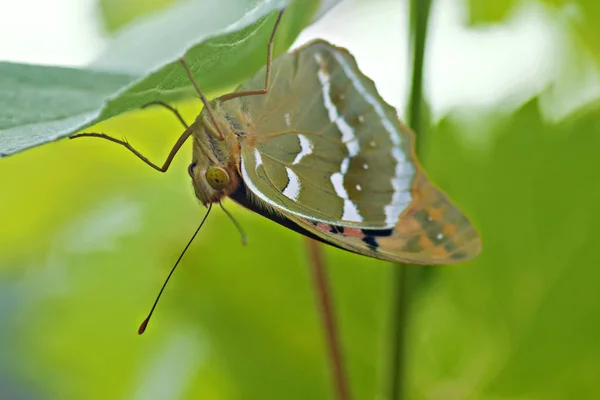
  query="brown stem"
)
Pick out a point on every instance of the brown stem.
point(328, 316)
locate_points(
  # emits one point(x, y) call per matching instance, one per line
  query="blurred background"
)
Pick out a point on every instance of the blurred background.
point(88, 233)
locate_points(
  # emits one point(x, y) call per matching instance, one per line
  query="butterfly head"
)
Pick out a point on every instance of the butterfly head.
point(214, 165)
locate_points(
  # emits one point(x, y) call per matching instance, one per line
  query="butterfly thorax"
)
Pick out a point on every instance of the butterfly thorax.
point(215, 162)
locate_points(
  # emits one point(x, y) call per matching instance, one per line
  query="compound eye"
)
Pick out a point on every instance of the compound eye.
point(191, 170)
point(217, 178)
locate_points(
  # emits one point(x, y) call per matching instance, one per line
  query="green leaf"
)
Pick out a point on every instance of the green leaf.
point(39, 104)
point(224, 42)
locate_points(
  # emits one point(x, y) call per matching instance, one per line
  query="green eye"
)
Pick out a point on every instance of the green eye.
point(217, 178)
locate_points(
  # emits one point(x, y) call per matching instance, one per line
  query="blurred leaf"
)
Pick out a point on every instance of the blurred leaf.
point(581, 15)
point(236, 322)
point(232, 46)
point(519, 321)
point(240, 322)
point(325, 6)
point(89, 233)
point(118, 13)
point(482, 11)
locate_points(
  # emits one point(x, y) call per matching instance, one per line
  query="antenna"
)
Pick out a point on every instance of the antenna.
point(202, 97)
point(237, 224)
point(144, 324)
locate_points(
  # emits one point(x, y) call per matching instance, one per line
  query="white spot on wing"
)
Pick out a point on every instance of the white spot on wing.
point(404, 172)
point(351, 212)
point(344, 166)
point(358, 187)
point(252, 186)
point(292, 189)
point(348, 136)
point(258, 158)
point(306, 148)
point(288, 121)
point(337, 179)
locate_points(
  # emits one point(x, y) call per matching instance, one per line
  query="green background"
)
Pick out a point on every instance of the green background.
point(88, 233)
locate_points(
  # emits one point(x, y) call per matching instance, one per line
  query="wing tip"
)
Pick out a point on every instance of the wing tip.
point(438, 231)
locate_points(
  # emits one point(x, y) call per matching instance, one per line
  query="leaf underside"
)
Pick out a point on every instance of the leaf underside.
point(41, 104)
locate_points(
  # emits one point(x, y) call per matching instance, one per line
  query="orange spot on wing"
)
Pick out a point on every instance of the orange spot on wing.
point(448, 229)
point(407, 226)
point(354, 232)
point(439, 252)
point(322, 226)
point(436, 213)
point(424, 242)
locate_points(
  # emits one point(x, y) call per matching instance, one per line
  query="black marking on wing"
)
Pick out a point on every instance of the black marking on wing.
point(336, 229)
point(378, 232)
point(371, 241)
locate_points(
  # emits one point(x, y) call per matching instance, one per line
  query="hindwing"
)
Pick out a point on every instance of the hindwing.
point(431, 231)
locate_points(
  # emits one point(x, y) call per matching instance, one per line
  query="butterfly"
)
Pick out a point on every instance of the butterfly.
point(310, 144)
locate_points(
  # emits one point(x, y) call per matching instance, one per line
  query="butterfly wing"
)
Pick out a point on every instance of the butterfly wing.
point(322, 144)
point(324, 149)
point(431, 231)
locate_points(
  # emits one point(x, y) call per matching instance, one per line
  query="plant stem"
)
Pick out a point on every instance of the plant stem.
point(321, 284)
point(407, 277)
point(400, 300)
point(420, 10)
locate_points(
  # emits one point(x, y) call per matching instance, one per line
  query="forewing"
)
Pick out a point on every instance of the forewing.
point(322, 144)
point(324, 150)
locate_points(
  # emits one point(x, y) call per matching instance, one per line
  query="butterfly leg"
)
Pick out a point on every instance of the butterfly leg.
point(125, 144)
point(168, 107)
point(202, 97)
point(268, 72)
point(211, 129)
